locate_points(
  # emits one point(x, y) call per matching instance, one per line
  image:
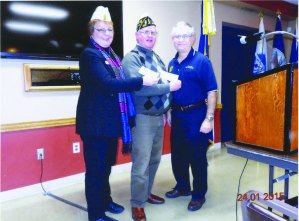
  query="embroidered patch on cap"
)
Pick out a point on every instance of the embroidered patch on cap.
point(144, 22)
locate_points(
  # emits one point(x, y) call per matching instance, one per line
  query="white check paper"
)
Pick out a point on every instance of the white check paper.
point(162, 74)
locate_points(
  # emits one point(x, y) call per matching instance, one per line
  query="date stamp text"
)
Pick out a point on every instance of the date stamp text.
point(260, 196)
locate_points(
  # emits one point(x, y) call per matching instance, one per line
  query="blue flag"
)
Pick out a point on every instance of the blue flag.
point(278, 52)
point(204, 44)
point(208, 27)
point(294, 52)
point(260, 62)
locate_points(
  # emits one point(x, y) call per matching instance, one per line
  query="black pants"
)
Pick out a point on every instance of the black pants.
point(188, 149)
point(99, 157)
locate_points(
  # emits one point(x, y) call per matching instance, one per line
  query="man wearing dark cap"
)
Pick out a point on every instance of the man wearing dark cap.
point(150, 104)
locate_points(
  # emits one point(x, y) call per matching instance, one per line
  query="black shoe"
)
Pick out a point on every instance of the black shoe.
point(196, 204)
point(176, 193)
point(107, 218)
point(115, 208)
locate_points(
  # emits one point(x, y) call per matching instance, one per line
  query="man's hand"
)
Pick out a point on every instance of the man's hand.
point(168, 117)
point(206, 126)
point(175, 85)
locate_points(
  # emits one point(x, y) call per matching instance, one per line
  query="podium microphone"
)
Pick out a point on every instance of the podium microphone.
point(252, 38)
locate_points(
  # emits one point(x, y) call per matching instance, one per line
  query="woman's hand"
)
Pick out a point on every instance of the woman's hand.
point(149, 80)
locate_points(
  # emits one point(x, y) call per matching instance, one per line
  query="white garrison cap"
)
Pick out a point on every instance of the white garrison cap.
point(101, 13)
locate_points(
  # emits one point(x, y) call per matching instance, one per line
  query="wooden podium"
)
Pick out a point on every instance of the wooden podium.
point(266, 111)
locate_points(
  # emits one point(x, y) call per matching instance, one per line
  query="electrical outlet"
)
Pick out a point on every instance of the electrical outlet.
point(76, 147)
point(40, 153)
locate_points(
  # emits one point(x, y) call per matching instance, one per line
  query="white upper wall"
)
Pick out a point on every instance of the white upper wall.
point(165, 14)
point(20, 106)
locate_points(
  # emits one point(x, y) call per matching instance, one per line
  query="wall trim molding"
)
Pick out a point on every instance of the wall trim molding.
point(45, 124)
point(37, 124)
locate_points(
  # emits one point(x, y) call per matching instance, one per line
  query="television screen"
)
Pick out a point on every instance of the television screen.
point(52, 29)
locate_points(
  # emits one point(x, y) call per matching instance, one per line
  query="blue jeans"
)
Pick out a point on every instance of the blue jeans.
point(99, 157)
point(148, 137)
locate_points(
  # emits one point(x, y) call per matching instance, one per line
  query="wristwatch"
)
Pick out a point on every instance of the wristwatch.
point(210, 118)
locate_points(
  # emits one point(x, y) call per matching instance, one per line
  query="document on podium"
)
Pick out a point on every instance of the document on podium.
point(161, 74)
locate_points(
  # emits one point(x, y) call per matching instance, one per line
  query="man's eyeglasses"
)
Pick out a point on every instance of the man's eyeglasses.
point(147, 32)
point(103, 30)
point(184, 37)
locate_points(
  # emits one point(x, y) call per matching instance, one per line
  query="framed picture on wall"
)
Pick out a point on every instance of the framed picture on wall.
point(51, 77)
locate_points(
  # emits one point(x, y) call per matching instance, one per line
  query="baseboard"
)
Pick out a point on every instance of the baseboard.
point(37, 189)
point(71, 180)
point(215, 146)
point(60, 183)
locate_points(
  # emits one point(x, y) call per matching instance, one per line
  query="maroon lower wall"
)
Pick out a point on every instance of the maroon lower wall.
point(19, 164)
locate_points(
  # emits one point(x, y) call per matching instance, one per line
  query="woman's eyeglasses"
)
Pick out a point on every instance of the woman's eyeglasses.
point(103, 30)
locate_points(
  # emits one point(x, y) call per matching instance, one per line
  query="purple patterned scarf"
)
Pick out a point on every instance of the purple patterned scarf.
point(127, 110)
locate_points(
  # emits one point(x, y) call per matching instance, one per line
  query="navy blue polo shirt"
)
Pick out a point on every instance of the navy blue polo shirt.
point(197, 76)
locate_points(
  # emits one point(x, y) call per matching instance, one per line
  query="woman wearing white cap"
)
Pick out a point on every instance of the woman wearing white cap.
point(104, 113)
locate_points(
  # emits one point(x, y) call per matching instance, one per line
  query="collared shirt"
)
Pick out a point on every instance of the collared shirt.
point(197, 76)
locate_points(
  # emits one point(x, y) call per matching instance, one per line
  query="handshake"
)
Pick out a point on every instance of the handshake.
point(151, 78)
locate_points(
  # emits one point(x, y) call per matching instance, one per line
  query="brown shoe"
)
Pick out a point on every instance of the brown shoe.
point(153, 199)
point(138, 214)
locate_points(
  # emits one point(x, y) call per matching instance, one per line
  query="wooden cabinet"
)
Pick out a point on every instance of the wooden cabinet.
point(266, 111)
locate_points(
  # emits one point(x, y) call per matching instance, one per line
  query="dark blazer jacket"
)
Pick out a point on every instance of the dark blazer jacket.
point(98, 111)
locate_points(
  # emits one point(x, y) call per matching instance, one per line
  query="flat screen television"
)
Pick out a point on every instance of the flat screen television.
point(55, 30)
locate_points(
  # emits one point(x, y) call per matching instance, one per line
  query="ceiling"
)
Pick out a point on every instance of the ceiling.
point(295, 2)
point(288, 8)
